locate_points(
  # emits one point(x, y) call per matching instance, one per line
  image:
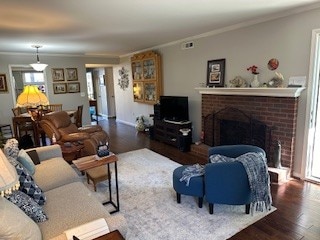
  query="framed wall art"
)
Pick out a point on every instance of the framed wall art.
point(3, 83)
point(73, 87)
point(57, 74)
point(215, 73)
point(72, 74)
point(59, 88)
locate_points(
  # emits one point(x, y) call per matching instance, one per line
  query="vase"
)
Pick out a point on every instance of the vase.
point(255, 82)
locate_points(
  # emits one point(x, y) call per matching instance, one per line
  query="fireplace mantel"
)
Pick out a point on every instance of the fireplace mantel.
point(271, 92)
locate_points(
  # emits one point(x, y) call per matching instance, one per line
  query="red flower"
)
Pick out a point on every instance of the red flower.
point(253, 69)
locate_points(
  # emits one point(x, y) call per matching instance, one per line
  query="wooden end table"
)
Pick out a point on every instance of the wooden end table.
point(89, 162)
point(114, 235)
point(71, 152)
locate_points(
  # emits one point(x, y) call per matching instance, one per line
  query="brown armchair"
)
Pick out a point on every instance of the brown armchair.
point(59, 124)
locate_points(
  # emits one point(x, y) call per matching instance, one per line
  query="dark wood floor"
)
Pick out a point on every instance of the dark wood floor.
point(297, 202)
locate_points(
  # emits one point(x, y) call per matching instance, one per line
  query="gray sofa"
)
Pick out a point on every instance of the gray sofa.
point(69, 203)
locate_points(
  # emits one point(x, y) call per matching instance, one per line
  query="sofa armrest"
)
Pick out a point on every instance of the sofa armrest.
point(48, 152)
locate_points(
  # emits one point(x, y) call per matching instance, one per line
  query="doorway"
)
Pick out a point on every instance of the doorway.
point(312, 132)
point(100, 87)
point(22, 75)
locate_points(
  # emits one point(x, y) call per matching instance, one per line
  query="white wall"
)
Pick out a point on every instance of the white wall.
point(126, 109)
point(288, 39)
point(69, 100)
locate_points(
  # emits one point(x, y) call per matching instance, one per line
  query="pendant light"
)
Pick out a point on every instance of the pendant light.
point(38, 66)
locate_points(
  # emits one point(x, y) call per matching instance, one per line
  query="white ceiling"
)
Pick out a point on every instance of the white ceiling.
point(120, 27)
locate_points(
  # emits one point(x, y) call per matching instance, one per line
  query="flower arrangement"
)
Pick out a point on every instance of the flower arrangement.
point(253, 69)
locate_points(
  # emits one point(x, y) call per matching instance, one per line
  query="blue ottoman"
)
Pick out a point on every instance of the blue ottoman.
point(195, 188)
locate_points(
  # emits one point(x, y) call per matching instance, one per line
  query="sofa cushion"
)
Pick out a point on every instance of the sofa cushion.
point(26, 161)
point(28, 186)
point(54, 173)
point(28, 206)
point(69, 206)
point(15, 224)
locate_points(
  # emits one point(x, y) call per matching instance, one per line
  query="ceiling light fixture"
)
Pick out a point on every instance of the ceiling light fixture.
point(38, 66)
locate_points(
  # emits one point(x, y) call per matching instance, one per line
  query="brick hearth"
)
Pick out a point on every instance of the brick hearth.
point(279, 113)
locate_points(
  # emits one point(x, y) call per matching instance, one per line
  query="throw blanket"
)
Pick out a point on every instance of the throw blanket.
point(191, 171)
point(258, 176)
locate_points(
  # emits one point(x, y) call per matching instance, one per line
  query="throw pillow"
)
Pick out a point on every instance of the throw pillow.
point(11, 148)
point(26, 161)
point(34, 156)
point(28, 205)
point(28, 186)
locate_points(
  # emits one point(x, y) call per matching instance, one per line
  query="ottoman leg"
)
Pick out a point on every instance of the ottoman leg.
point(178, 198)
point(210, 208)
point(247, 208)
point(200, 202)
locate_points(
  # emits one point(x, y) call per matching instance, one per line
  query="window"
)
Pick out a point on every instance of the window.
point(34, 78)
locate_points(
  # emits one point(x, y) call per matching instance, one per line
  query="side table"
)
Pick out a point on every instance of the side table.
point(89, 162)
point(71, 152)
point(114, 235)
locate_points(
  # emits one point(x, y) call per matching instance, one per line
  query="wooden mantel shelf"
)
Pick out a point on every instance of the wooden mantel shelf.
point(271, 92)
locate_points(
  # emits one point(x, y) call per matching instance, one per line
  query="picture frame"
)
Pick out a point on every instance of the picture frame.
point(216, 73)
point(57, 74)
point(3, 83)
point(73, 87)
point(72, 74)
point(59, 88)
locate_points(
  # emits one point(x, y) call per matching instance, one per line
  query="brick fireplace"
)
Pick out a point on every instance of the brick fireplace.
point(276, 108)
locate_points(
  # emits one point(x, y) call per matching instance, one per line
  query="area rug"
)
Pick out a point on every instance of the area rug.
point(148, 202)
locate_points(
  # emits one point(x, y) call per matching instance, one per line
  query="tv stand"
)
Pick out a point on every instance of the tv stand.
point(169, 132)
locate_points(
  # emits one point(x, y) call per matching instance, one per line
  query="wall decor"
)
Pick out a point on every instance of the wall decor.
point(3, 83)
point(57, 74)
point(72, 74)
point(215, 73)
point(123, 81)
point(73, 87)
point(59, 88)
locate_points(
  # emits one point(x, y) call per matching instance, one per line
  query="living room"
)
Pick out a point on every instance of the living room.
point(286, 36)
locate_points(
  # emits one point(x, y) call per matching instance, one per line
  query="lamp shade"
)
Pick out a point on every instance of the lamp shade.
point(38, 66)
point(9, 180)
point(31, 97)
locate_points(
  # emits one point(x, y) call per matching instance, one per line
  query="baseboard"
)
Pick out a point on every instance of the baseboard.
point(124, 122)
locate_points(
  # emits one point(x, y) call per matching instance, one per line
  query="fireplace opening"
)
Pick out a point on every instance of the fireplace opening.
point(232, 126)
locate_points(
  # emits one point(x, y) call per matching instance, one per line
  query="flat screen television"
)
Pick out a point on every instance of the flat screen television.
point(174, 108)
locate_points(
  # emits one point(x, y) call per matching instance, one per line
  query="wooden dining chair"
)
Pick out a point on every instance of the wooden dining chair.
point(23, 127)
point(78, 116)
point(54, 107)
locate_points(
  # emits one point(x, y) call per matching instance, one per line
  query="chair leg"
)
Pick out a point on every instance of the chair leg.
point(210, 208)
point(178, 198)
point(200, 202)
point(247, 208)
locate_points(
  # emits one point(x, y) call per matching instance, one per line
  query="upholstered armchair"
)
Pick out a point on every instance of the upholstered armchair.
point(227, 182)
point(60, 124)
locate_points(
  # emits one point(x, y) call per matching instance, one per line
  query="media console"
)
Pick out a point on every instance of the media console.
point(169, 132)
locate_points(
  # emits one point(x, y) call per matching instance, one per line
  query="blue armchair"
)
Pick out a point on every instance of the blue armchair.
point(227, 182)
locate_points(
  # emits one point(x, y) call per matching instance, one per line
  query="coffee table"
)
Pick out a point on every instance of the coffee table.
point(89, 162)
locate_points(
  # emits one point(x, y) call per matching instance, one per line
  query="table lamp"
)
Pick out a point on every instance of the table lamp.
point(9, 180)
point(31, 97)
